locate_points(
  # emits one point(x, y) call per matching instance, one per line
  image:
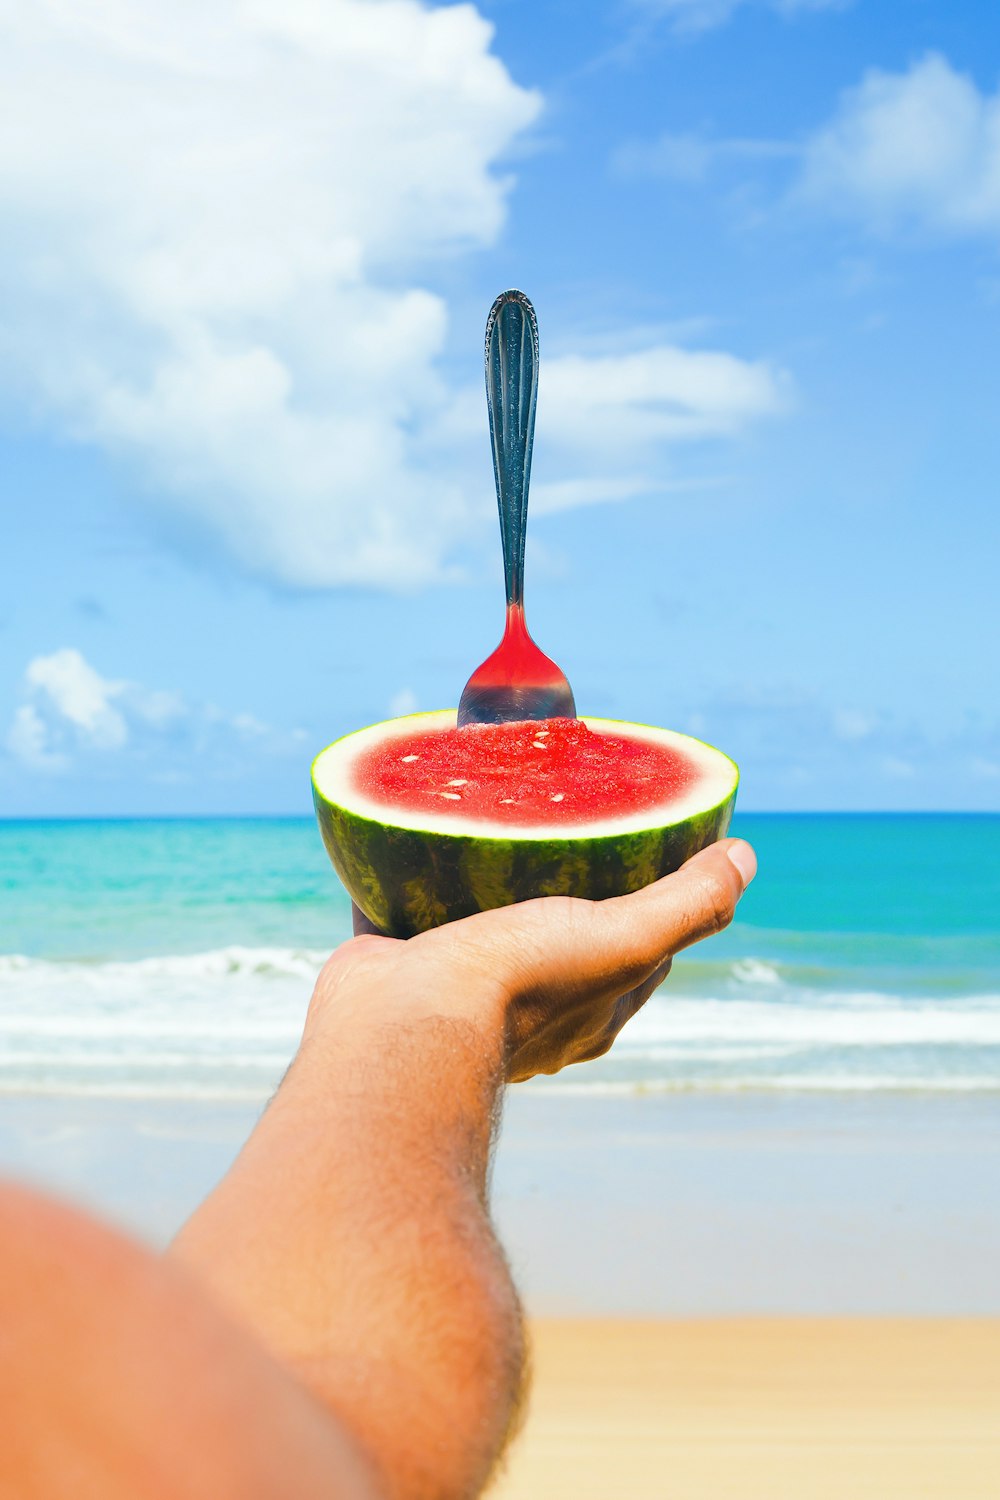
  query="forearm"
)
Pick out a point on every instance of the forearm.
point(353, 1235)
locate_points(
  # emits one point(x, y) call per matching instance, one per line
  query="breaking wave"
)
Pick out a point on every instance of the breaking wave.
point(225, 1023)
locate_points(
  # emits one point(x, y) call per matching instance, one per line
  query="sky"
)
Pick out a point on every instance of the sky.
point(246, 497)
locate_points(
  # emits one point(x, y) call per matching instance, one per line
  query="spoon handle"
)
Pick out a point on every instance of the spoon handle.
point(511, 393)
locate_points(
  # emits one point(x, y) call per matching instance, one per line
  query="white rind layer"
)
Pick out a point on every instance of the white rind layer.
point(332, 776)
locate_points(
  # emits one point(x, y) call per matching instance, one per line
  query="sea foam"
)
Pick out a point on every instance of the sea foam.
point(225, 1023)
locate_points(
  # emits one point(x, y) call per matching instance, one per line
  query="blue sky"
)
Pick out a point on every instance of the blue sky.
point(247, 498)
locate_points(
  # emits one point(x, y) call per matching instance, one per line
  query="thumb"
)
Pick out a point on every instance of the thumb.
point(698, 899)
point(640, 931)
point(618, 943)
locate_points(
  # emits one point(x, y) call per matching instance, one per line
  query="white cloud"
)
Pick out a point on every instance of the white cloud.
point(81, 696)
point(217, 222)
point(853, 724)
point(158, 708)
point(28, 741)
point(249, 727)
point(687, 156)
point(214, 220)
point(783, 735)
point(613, 414)
point(617, 413)
point(71, 708)
point(921, 146)
point(702, 15)
point(897, 768)
point(547, 498)
point(606, 420)
point(618, 403)
point(403, 702)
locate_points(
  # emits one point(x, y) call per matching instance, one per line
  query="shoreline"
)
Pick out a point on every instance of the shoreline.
point(658, 1206)
point(256, 1099)
point(691, 1206)
point(763, 1298)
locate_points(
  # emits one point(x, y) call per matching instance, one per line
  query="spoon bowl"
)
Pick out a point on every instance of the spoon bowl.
point(517, 681)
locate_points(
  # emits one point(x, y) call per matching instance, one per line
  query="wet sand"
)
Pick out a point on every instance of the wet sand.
point(790, 1299)
point(683, 1206)
point(761, 1409)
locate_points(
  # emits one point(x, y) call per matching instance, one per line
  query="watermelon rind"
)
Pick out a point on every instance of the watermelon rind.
point(408, 872)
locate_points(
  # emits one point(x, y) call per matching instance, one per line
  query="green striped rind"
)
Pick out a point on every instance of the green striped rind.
point(406, 880)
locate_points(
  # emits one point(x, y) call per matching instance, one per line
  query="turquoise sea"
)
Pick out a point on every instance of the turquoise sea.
point(175, 959)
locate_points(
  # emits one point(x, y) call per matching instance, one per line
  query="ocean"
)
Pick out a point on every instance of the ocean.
point(174, 959)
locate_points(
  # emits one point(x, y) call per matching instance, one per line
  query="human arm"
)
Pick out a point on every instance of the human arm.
point(353, 1236)
point(121, 1378)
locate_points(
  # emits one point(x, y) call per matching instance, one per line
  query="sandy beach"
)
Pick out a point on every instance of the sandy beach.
point(791, 1299)
point(815, 1409)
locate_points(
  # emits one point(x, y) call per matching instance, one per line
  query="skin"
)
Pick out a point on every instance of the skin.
point(338, 1309)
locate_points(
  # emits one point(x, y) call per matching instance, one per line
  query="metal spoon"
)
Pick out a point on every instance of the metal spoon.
point(518, 681)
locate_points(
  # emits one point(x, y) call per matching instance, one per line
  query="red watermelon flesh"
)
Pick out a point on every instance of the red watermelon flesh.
point(532, 774)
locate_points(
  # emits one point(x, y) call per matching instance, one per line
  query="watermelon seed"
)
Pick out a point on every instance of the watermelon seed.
point(539, 745)
point(457, 782)
point(452, 796)
point(407, 758)
point(557, 796)
point(505, 799)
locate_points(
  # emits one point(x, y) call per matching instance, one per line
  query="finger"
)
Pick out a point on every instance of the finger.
point(620, 942)
point(626, 1006)
point(633, 1000)
point(629, 1004)
point(696, 901)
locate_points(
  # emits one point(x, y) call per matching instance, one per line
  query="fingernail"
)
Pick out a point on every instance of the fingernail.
point(745, 860)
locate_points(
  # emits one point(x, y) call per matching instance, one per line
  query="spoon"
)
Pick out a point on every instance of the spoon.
point(518, 681)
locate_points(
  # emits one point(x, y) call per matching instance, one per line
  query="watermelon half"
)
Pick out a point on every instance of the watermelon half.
point(426, 822)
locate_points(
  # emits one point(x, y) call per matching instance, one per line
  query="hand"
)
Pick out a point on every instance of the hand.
point(352, 1234)
point(559, 977)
